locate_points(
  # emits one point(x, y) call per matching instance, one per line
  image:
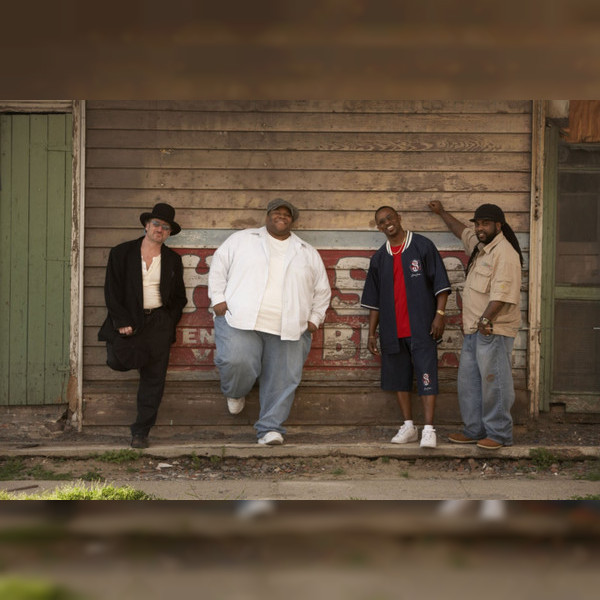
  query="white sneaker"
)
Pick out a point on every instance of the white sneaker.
point(251, 509)
point(271, 438)
point(236, 405)
point(405, 435)
point(428, 438)
point(492, 510)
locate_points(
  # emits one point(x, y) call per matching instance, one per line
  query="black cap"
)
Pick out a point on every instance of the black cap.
point(281, 202)
point(491, 212)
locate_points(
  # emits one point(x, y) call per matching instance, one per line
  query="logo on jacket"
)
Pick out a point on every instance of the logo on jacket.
point(426, 380)
point(415, 266)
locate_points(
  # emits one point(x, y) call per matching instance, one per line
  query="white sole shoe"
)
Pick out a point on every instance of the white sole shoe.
point(236, 405)
point(428, 439)
point(271, 438)
point(406, 436)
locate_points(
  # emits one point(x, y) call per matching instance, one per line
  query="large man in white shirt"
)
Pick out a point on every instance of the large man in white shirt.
point(269, 292)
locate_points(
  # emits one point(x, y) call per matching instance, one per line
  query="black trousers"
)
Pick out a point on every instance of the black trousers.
point(155, 338)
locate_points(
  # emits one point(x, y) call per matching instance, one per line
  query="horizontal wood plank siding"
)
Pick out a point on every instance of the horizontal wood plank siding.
point(219, 163)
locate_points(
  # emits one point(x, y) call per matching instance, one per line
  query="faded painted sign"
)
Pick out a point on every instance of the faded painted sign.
point(340, 343)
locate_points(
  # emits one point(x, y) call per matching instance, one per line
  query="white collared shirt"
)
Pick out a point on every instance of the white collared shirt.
point(239, 274)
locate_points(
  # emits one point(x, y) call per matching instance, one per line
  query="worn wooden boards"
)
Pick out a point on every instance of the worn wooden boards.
point(219, 163)
point(198, 405)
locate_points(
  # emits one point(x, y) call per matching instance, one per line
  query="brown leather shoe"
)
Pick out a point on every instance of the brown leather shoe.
point(488, 444)
point(459, 438)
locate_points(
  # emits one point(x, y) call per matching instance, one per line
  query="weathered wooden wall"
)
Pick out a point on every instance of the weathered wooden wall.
point(219, 163)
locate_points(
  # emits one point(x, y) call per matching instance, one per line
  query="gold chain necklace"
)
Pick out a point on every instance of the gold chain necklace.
point(399, 249)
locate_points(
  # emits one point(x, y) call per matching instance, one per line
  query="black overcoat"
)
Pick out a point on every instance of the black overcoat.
point(123, 291)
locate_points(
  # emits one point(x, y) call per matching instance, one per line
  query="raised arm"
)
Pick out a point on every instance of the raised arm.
point(453, 224)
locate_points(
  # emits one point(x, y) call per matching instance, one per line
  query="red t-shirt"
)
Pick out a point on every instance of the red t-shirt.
point(402, 322)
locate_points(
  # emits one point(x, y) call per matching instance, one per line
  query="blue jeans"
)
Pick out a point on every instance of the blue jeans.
point(486, 391)
point(243, 356)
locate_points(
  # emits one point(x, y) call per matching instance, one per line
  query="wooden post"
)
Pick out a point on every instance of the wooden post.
point(75, 389)
point(535, 255)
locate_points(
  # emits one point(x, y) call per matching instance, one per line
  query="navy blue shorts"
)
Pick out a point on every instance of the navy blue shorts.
point(397, 369)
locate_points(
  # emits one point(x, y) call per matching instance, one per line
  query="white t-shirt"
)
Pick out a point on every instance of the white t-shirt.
point(269, 314)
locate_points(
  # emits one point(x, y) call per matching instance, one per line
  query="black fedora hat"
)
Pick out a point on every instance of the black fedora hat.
point(164, 212)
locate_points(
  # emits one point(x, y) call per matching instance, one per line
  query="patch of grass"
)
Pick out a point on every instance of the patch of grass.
point(195, 461)
point(458, 560)
point(11, 468)
point(592, 476)
point(405, 474)
point(97, 491)
point(589, 497)
point(39, 472)
point(385, 460)
point(120, 456)
point(215, 460)
point(93, 475)
point(30, 589)
point(356, 558)
point(542, 457)
point(14, 468)
point(338, 471)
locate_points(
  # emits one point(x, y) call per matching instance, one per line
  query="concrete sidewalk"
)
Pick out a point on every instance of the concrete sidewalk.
point(374, 450)
point(371, 489)
point(430, 488)
point(426, 487)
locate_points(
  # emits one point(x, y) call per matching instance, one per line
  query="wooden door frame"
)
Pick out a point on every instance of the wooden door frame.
point(548, 260)
point(77, 109)
point(573, 402)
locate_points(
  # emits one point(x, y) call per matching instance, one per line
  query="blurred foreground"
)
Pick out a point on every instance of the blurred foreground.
point(351, 550)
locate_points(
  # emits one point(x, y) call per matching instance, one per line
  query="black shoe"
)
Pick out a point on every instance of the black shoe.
point(139, 441)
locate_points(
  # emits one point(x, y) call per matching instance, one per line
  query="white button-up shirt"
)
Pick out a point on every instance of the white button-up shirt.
point(239, 272)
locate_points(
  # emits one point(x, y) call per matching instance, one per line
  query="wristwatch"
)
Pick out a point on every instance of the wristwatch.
point(485, 322)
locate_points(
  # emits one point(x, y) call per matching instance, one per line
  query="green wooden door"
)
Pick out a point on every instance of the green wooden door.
point(571, 287)
point(35, 249)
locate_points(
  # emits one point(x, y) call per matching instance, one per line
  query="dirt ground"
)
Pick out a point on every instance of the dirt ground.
point(129, 465)
point(544, 432)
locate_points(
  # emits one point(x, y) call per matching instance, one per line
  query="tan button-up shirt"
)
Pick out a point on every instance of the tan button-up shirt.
point(494, 275)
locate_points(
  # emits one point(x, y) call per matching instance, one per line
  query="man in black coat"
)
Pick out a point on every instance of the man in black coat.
point(145, 296)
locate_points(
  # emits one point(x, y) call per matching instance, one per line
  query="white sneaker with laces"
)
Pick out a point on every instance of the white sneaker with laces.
point(271, 438)
point(428, 438)
point(406, 434)
point(236, 405)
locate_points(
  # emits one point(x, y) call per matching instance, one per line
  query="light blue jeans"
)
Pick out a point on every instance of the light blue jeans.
point(244, 356)
point(486, 391)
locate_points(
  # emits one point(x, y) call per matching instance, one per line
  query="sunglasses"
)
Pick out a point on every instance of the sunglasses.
point(163, 227)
